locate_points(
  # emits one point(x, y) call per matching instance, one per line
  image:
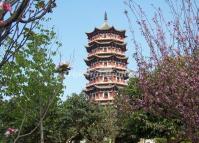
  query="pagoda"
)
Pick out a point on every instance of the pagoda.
point(107, 63)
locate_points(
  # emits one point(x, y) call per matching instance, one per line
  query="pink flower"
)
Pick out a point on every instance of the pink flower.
point(7, 6)
point(10, 131)
point(1, 7)
point(1, 4)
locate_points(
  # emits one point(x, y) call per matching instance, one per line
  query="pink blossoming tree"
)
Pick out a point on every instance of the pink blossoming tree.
point(18, 18)
point(169, 77)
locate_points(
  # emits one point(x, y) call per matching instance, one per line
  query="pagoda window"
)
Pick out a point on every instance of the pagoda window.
point(105, 49)
point(111, 93)
point(105, 63)
point(105, 94)
point(118, 79)
point(97, 95)
point(105, 79)
point(100, 94)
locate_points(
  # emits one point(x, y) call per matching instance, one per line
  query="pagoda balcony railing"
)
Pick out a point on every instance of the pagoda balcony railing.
point(107, 38)
point(108, 66)
point(106, 82)
point(106, 52)
point(104, 99)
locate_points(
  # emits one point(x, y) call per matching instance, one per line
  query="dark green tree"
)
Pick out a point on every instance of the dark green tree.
point(82, 119)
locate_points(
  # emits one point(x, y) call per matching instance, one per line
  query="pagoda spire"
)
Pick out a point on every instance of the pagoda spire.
point(105, 17)
point(105, 25)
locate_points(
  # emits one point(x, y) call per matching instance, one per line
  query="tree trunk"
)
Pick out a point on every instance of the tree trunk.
point(41, 127)
point(42, 131)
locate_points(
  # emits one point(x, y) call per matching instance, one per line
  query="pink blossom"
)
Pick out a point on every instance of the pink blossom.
point(1, 4)
point(1, 8)
point(7, 6)
point(10, 131)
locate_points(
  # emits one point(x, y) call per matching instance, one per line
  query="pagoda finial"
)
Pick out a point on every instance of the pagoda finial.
point(105, 16)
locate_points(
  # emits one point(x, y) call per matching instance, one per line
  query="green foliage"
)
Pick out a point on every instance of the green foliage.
point(81, 119)
point(132, 90)
point(31, 85)
point(78, 115)
point(136, 123)
point(160, 140)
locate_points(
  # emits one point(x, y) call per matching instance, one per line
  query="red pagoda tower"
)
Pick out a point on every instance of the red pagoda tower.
point(107, 64)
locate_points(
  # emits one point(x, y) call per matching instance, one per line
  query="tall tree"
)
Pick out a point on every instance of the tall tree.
point(33, 86)
point(135, 123)
point(82, 119)
point(169, 76)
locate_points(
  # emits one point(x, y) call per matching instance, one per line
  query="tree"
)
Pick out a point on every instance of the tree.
point(169, 77)
point(135, 123)
point(33, 86)
point(18, 18)
point(78, 115)
point(80, 119)
point(105, 129)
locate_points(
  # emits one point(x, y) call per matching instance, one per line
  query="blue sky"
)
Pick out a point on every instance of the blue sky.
point(72, 18)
